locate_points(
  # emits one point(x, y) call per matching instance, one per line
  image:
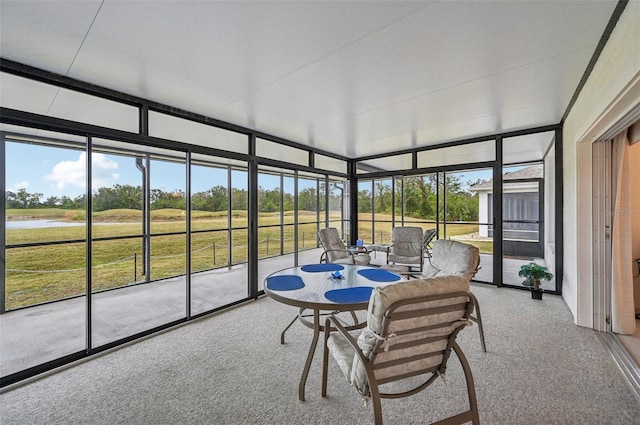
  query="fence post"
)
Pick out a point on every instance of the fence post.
point(214, 253)
point(135, 266)
point(268, 244)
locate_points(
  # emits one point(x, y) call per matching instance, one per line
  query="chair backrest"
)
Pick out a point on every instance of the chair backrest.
point(449, 257)
point(333, 246)
point(429, 236)
point(411, 327)
point(406, 244)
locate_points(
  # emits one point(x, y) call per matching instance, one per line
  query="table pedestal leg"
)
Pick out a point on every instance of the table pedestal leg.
point(312, 350)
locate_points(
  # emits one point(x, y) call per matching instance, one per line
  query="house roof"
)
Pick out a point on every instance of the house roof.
point(531, 172)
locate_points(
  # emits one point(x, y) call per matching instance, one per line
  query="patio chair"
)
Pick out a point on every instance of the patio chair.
point(411, 329)
point(450, 257)
point(405, 250)
point(335, 250)
point(427, 244)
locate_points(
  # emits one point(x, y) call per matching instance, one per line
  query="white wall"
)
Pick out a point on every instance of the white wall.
point(549, 210)
point(483, 214)
point(612, 89)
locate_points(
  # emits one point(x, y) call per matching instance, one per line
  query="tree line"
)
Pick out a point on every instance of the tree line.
point(420, 194)
point(130, 197)
point(420, 198)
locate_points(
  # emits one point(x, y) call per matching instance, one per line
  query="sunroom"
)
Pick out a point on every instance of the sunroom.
point(161, 159)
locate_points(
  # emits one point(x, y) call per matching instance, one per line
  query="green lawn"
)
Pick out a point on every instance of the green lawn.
point(45, 273)
point(383, 228)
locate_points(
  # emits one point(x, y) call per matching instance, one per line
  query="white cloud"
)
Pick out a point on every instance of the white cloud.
point(20, 185)
point(73, 172)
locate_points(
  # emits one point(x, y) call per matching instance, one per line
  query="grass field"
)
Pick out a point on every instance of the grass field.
point(383, 228)
point(37, 274)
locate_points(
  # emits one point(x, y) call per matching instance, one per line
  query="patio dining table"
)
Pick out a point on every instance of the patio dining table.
point(325, 288)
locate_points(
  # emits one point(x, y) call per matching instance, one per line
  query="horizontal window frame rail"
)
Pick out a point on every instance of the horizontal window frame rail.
point(14, 137)
point(112, 238)
point(479, 223)
point(425, 171)
point(50, 243)
point(145, 105)
point(529, 180)
point(217, 230)
point(64, 126)
point(523, 221)
point(294, 166)
point(460, 142)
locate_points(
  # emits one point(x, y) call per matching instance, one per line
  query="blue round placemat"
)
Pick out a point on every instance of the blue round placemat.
point(378, 275)
point(349, 295)
point(284, 283)
point(315, 268)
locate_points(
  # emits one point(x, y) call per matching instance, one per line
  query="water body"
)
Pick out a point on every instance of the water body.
point(41, 224)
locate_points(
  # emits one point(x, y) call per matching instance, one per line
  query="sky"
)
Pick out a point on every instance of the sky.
point(59, 172)
point(55, 171)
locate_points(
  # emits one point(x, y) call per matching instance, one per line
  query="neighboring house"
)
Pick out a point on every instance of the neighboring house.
point(521, 200)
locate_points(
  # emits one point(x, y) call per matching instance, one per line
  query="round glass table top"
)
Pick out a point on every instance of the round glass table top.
point(327, 286)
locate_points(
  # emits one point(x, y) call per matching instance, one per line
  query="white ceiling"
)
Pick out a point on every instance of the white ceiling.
point(354, 78)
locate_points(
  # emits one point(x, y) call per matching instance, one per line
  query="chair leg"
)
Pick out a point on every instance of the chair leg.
point(325, 358)
point(478, 320)
point(471, 388)
point(377, 406)
point(354, 317)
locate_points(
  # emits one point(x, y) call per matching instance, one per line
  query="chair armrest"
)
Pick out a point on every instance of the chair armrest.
point(366, 362)
point(342, 330)
point(339, 250)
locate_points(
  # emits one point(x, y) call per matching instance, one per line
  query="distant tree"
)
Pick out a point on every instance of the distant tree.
point(52, 202)
point(22, 199)
point(10, 199)
point(67, 203)
point(364, 201)
point(79, 202)
point(118, 196)
point(420, 194)
point(268, 200)
point(462, 205)
point(382, 197)
point(214, 199)
point(288, 204)
point(308, 199)
point(161, 199)
point(239, 199)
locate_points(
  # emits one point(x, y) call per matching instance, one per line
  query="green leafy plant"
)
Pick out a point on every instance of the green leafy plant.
point(533, 273)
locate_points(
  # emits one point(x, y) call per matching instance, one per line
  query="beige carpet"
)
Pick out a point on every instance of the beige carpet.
point(230, 369)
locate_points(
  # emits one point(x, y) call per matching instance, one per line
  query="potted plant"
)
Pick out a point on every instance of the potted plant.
point(533, 273)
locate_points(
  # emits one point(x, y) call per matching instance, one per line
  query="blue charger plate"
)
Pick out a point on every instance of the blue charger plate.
point(284, 283)
point(349, 295)
point(379, 275)
point(315, 268)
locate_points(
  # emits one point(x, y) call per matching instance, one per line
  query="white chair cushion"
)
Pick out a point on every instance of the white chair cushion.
point(452, 258)
point(381, 299)
point(406, 245)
